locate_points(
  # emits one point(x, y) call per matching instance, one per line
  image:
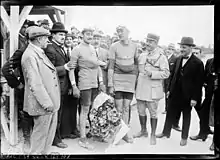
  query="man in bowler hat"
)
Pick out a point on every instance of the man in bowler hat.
point(59, 58)
point(185, 89)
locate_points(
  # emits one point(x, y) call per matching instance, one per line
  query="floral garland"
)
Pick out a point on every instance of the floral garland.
point(105, 120)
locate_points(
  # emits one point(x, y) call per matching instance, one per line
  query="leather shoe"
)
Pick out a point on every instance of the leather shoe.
point(161, 135)
point(61, 145)
point(72, 136)
point(194, 138)
point(177, 128)
point(183, 142)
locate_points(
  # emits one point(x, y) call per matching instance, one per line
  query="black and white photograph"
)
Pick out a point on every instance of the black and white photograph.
point(109, 80)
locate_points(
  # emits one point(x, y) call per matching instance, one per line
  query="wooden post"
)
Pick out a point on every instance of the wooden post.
point(52, 17)
point(58, 16)
point(14, 18)
point(5, 17)
point(23, 16)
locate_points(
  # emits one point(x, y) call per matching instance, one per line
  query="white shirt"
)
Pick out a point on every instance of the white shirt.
point(185, 60)
point(168, 57)
point(66, 51)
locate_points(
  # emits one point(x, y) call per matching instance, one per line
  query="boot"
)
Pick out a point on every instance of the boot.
point(143, 132)
point(153, 122)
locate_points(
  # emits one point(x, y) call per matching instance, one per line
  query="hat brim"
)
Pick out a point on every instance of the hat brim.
point(193, 45)
point(151, 39)
point(40, 36)
point(58, 30)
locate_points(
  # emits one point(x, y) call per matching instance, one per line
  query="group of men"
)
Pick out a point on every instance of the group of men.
point(60, 76)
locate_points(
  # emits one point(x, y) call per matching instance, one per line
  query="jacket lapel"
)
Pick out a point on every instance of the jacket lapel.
point(58, 49)
point(44, 58)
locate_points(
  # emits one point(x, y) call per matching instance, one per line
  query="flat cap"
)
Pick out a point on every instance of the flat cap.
point(69, 35)
point(97, 34)
point(171, 45)
point(88, 29)
point(153, 37)
point(45, 21)
point(35, 31)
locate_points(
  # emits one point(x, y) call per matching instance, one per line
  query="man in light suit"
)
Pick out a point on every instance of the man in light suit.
point(185, 89)
point(42, 91)
point(153, 69)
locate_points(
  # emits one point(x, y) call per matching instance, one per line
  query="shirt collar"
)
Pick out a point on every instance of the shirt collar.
point(169, 56)
point(36, 47)
point(60, 45)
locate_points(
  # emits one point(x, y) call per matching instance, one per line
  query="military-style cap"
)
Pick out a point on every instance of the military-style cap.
point(35, 31)
point(88, 29)
point(153, 37)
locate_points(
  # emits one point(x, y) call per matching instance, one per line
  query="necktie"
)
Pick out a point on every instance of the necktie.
point(68, 52)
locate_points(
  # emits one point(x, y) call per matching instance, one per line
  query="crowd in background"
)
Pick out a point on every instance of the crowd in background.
point(82, 63)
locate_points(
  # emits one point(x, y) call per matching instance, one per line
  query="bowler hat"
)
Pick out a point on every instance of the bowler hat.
point(35, 31)
point(58, 27)
point(153, 37)
point(187, 41)
point(45, 21)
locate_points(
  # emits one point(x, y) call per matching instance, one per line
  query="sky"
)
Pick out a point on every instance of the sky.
point(171, 23)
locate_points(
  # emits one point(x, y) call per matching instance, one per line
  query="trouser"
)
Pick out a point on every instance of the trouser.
point(58, 138)
point(183, 107)
point(203, 114)
point(177, 118)
point(43, 133)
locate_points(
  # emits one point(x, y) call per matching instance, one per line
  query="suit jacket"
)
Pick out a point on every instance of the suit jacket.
point(42, 87)
point(209, 79)
point(192, 79)
point(171, 62)
point(58, 59)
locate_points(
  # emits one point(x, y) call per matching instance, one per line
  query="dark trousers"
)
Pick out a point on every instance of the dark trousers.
point(57, 138)
point(178, 114)
point(203, 114)
point(69, 116)
point(178, 104)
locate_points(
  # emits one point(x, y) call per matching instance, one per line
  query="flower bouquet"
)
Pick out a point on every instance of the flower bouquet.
point(106, 122)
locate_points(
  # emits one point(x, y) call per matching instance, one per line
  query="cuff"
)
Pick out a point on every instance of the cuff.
point(66, 67)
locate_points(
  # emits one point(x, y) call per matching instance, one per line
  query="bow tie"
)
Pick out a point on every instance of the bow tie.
point(185, 57)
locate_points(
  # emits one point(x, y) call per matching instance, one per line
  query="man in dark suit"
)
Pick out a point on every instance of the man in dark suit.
point(13, 74)
point(185, 89)
point(203, 112)
point(171, 60)
point(68, 128)
point(55, 52)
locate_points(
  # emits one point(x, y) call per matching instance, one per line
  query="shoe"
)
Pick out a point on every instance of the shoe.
point(89, 135)
point(128, 139)
point(72, 136)
point(212, 147)
point(85, 144)
point(183, 142)
point(194, 138)
point(76, 132)
point(161, 135)
point(60, 145)
point(177, 128)
point(210, 132)
point(164, 112)
point(141, 134)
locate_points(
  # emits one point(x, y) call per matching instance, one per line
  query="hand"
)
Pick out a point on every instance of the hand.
point(20, 86)
point(111, 91)
point(76, 92)
point(147, 72)
point(70, 91)
point(193, 103)
point(49, 109)
point(69, 65)
point(102, 87)
point(167, 94)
